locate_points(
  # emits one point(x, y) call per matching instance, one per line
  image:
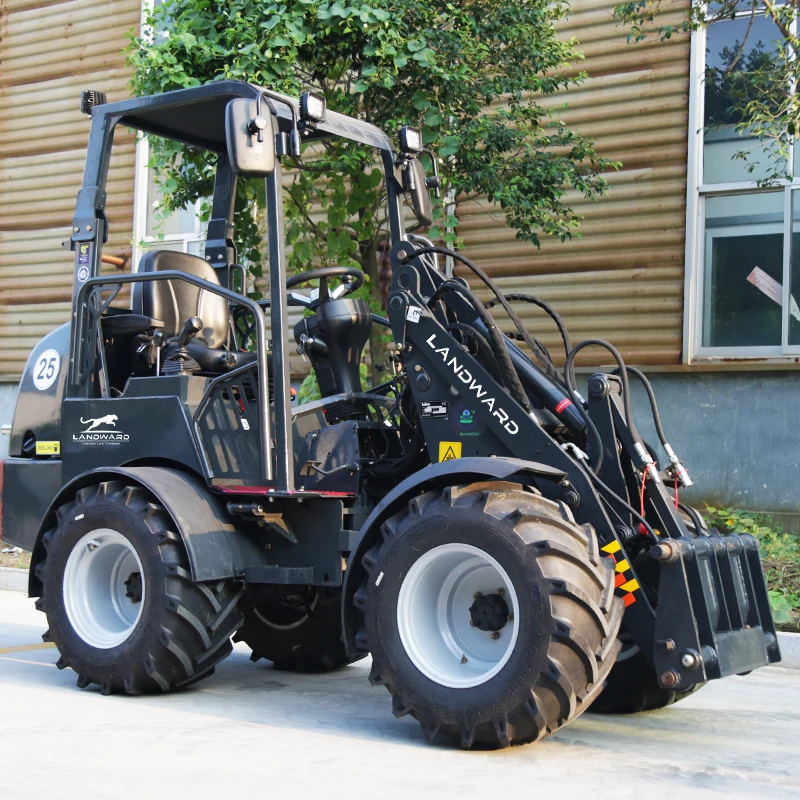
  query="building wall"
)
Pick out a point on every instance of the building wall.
point(49, 52)
point(737, 433)
point(623, 280)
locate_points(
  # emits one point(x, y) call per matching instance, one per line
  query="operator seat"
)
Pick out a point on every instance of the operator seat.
point(174, 302)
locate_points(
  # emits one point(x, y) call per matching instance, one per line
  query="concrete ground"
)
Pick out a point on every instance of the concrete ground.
point(250, 731)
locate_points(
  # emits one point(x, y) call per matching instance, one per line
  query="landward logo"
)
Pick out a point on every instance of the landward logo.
point(465, 376)
point(93, 434)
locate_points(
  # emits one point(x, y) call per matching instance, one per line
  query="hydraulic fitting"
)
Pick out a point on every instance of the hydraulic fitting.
point(680, 470)
point(647, 461)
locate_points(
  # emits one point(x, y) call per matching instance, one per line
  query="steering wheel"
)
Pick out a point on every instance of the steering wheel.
point(352, 279)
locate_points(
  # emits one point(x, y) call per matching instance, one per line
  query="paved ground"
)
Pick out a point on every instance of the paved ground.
point(251, 731)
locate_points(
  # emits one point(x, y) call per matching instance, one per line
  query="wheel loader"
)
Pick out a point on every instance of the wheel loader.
point(509, 552)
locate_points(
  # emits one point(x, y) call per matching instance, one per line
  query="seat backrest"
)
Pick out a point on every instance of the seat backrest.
point(175, 301)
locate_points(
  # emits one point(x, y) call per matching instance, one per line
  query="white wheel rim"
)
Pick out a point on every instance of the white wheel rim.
point(433, 616)
point(95, 594)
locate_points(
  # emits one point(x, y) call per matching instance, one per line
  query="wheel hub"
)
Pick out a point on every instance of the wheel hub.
point(133, 587)
point(489, 612)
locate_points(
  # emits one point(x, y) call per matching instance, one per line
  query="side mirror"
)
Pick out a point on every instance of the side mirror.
point(416, 184)
point(251, 143)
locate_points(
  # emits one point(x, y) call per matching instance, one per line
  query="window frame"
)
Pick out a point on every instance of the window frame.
point(697, 193)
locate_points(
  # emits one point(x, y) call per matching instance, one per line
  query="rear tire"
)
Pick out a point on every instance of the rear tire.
point(120, 601)
point(297, 628)
point(632, 685)
point(525, 566)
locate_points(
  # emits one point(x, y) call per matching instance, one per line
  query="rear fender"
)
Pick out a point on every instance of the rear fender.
point(434, 476)
point(215, 548)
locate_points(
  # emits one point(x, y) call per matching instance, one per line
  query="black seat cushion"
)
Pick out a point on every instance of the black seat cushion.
point(173, 302)
point(123, 324)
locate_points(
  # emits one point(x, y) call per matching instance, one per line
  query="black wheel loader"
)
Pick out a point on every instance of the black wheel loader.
point(508, 552)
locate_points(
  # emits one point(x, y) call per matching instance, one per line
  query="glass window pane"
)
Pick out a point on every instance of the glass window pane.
point(734, 49)
point(743, 261)
point(197, 248)
point(182, 221)
point(177, 246)
point(794, 274)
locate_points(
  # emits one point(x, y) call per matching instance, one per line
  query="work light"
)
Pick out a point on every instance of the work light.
point(410, 139)
point(312, 107)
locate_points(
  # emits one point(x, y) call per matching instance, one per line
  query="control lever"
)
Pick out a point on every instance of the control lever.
point(191, 328)
point(180, 362)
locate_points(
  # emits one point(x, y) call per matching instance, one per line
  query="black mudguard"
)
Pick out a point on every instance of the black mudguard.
point(434, 476)
point(216, 550)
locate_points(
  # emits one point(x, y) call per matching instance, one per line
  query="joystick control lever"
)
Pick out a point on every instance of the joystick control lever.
point(191, 328)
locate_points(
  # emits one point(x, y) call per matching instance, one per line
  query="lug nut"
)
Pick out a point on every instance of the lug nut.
point(476, 595)
point(510, 617)
point(496, 635)
point(670, 678)
point(501, 592)
point(463, 659)
point(472, 623)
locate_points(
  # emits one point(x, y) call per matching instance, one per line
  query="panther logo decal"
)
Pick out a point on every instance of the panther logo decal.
point(109, 419)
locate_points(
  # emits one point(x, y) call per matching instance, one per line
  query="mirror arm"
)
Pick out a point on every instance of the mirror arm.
point(269, 96)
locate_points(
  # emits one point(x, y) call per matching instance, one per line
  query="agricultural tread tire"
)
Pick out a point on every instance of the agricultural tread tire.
point(315, 644)
point(548, 681)
point(186, 626)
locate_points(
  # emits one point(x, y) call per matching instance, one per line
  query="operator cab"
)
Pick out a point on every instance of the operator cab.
point(173, 328)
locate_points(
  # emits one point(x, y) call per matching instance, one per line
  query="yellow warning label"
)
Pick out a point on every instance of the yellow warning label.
point(48, 448)
point(449, 451)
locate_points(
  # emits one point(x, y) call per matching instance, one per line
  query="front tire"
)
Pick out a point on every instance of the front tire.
point(122, 607)
point(490, 614)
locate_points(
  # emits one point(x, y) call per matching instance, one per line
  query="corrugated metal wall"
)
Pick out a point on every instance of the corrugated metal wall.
point(622, 281)
point(49, 51)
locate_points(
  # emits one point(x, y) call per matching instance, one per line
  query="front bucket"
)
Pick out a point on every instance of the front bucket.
point(713, 617)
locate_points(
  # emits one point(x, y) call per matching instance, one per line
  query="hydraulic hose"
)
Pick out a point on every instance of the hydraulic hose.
point(500, 350)
point(548, 309)
point(651, 396)
point(445, 251)
point(677, 465)
point(623, 375)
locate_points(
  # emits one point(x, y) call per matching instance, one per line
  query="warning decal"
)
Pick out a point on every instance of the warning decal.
point(624, 585)
point(48, 448)
point(448, 451)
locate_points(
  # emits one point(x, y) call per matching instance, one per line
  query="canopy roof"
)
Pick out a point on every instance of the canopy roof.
point(196, 116)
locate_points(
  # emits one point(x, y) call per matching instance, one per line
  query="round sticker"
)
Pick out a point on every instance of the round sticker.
point(45, 370)
point(83, 274)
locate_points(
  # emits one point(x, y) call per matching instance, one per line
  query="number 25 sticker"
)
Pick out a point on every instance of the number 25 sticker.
point(46, 369)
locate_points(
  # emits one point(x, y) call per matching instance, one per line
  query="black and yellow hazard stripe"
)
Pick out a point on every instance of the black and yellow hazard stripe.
point(625, 585)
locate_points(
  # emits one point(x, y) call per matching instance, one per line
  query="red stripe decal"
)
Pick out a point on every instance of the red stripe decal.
point(565, 403)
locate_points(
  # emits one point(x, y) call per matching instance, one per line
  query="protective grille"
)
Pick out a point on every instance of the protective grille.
point(228, 427)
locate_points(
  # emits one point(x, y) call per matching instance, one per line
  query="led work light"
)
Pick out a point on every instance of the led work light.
point(410, 139)
point(312, 107)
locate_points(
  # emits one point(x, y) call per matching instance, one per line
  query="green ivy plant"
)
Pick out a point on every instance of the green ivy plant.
point(780, 554)
point(470, 73)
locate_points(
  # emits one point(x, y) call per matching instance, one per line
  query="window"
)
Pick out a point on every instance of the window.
point(743, 239)
point(182, 230)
